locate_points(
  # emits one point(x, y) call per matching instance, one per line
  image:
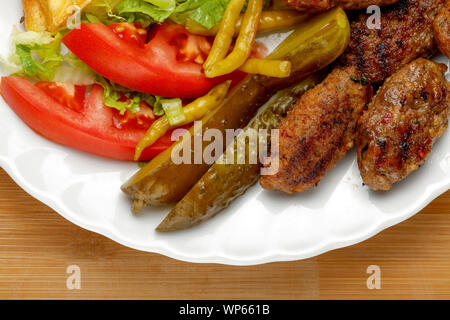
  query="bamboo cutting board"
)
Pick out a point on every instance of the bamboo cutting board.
point(37, 246)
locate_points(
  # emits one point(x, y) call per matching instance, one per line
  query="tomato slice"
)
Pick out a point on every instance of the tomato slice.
point(169, 64)
point(132, 33)
point(91, 129)
point(141, 119)
point(67, 94)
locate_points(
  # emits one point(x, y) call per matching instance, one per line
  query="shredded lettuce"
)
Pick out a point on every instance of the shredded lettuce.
point(8, 67)
point(174, 111)
point(206, 12)
point(113, 93)
point(36, 54)
point(30, 66)
point(75, 71)
point(145, 12)
point(155, 102)
point(39, 56)
point(30, 37)
point(102, 11)
point(134, 9)
point(163, 4)
point(111, 97)
point(209, 13)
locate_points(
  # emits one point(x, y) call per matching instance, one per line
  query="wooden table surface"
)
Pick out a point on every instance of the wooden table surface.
point(37, 246)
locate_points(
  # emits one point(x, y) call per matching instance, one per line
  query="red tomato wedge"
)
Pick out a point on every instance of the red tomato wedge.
point(67, 94)
point(130, 32)
point(92, 129)
point(169, 64)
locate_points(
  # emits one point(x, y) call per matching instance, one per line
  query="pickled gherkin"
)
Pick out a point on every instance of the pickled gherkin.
point(311, 47)
point(223, 182)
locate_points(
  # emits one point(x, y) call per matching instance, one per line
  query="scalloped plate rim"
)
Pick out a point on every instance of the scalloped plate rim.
point(218, 259)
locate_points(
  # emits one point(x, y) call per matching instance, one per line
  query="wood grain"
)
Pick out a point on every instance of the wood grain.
point(37, 245)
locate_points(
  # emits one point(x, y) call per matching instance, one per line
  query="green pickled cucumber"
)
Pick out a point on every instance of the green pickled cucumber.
point(223, 183)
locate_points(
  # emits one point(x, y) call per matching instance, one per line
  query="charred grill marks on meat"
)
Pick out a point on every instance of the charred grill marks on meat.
point(406, 33)
point(407, 115)
point(323, 5)
point(319, 130)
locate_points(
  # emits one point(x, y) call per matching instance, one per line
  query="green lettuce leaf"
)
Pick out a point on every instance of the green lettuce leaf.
point(134, 9)
point(155, 102)
point(174, 111)
point(30, 37)
point(209, 13)
point(102, 11)
point(39, 60)
point(30, 66)
point(38, 56)
point(163, 4)
point(206, 12)
point(75, 71)
point(113, 93)
point(111, 97)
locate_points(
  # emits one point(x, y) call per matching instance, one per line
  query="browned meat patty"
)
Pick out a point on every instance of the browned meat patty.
point(406, 33)
point(361, 4)
point(319, 130)
point(441, 26)
point(407, 115)
point(312, 5)
point(322, 5)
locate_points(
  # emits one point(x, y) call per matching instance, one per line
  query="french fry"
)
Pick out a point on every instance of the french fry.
point(34, 16)
point(58, 11)
point(49, 15)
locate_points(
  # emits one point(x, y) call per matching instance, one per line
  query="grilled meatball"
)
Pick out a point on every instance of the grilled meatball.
point(406, 33)
point(362, 4)
point(312, 5)
point(407, 115)
point(319, 130)
point(323, 5)
point(441, 26)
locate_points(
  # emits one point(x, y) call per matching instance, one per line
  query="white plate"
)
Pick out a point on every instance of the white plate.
point(259, 227)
